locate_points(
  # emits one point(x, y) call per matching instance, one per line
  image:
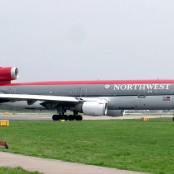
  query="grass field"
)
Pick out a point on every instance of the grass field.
point(127, 144)
point(7, 170)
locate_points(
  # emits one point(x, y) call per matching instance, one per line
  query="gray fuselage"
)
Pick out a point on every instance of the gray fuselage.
point(120, 96)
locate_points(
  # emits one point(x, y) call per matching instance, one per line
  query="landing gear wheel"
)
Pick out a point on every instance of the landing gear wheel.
point(55, 117)
point(65, 117)
point(71, 117)
point(79, 118)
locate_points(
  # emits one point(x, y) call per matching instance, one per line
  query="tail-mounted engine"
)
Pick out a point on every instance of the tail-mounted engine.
point(7, 74)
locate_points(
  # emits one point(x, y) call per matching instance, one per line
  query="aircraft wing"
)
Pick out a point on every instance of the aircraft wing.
point(19, 97)
point(90, 106)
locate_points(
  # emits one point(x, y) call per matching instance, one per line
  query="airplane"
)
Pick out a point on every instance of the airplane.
point(95, 97)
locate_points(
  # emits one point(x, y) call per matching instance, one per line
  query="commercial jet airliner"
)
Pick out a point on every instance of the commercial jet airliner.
point(97, 98)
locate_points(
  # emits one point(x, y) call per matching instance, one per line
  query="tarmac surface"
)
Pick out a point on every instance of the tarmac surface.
point(28, 116)
point(50, 166)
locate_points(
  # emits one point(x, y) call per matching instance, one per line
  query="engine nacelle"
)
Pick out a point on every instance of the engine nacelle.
point(94, 108)
point(8, 73)
point(116, 113)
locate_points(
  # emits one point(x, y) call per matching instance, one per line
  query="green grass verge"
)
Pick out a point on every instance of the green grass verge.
point(127, 144)
point(8, 170)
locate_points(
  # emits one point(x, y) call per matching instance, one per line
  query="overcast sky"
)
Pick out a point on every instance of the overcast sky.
point(88, 39)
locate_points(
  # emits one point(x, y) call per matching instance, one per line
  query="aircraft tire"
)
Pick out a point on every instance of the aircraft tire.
point(79, 118)
point(71, 117)
point(55, 117)
point(65, 117)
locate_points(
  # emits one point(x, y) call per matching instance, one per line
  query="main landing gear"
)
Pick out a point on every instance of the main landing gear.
point(67, 117)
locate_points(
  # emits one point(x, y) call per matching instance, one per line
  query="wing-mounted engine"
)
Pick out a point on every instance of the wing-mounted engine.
point(7, 74)
point(94, 108)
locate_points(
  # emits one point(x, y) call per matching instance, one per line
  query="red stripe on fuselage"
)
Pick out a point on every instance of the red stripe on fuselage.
point(95, 82)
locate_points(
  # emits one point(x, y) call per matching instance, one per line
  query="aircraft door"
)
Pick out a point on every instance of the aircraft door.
point(83, 92)
point(12, 90)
